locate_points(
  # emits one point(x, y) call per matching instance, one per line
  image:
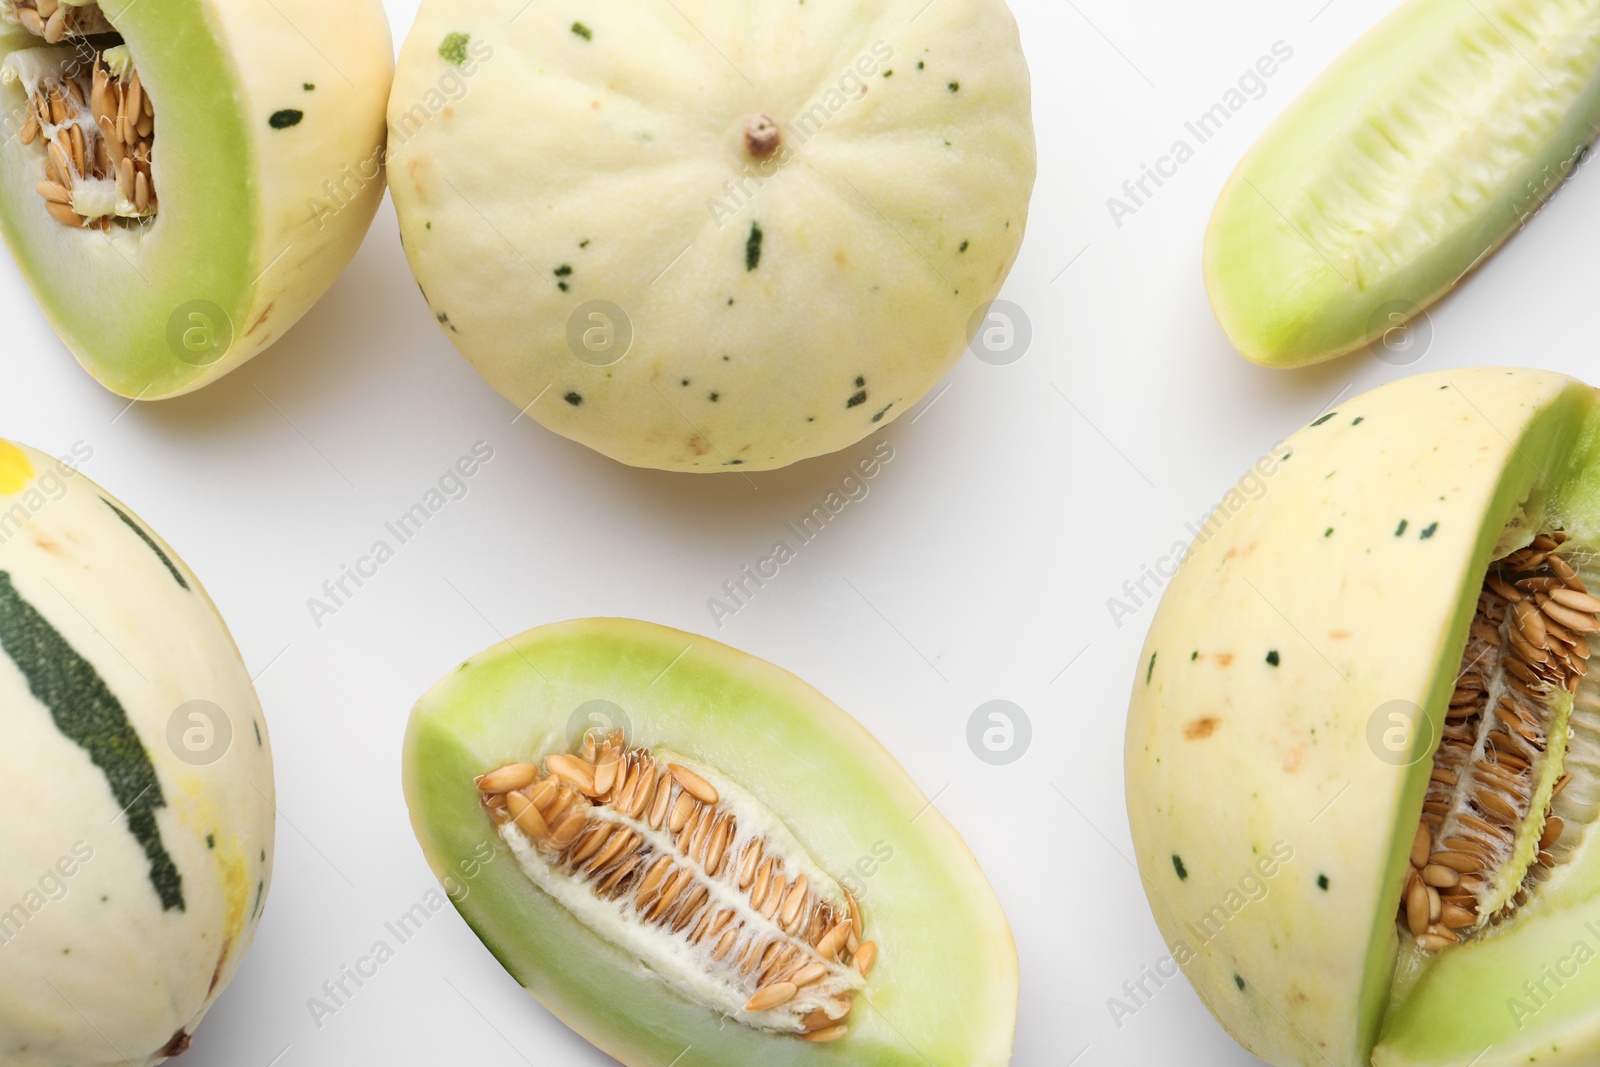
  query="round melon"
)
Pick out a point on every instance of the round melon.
point(136, 851)
point(713, 234)
point(674, 845)
point(181, 181)
point(1363, 748)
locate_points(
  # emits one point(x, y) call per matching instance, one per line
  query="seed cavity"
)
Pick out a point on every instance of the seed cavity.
point(87, 112)
point(691, 874)
point(1488, 834)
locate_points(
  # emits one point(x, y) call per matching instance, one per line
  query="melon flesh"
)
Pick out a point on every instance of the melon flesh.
point(268, 161)
point(945, 987)
point(1419, 152)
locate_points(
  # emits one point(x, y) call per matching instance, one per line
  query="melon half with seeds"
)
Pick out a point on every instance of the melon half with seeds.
point(1363, 751)
point(136, 850)
point(1417, 155)
point(675, 845)
point(181, 181)
point(712, 235)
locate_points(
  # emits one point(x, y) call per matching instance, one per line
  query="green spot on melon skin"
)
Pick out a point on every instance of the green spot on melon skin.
point(1325, 418)
point(1401, 528)
point(1238, 980)
point(574, 399)
point(1430, 531)
point(86, 711)
point(580, 30)
point(454, 48)
point(1272, 658)
point(752, 248)
point(1150, 670)
point(288, 117)
point(1322, 882)
point(150, 541)
point(1177, 865)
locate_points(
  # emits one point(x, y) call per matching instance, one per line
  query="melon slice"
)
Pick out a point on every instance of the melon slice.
point(1422, 150)
point(675, 845)
point(136, 851)
point(183, 181)
point(1363, 750)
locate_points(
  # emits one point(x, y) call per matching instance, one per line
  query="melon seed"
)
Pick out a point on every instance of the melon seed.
point(1525, 648)
point(780, 943)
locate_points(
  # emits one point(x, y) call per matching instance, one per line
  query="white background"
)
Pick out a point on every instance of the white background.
point(978, 567)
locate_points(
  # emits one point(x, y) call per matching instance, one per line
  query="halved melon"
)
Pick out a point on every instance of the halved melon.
point(1363, 751)
point(675, 845)
point(183, 180)
point(1426, 146)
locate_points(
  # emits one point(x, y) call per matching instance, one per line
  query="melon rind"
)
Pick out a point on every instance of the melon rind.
point(604, 138)
point(1229, 756)
point(101, 974)
point(1416, 155)
point(945, 988)
point(256, 222)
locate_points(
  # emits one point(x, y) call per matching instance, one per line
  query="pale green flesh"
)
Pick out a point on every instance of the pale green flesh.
point(1422, 150)
point(113, 296)
point(944, 990)
point(1462, 1006)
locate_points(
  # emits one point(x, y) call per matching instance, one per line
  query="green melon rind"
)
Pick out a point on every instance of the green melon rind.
point(1229, 754)
point(109, 971)
point(1284, 301)
point(945, 987)
point(238, 230)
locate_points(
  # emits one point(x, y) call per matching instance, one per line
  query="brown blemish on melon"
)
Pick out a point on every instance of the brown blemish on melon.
point(1200, 729)
point(261, 319)
point(1224, 659)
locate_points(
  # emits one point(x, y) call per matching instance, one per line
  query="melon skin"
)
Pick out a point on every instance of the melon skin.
point(945, 988)
point(259, 214)
point(134, 860)
point(589, 159)
point(1336, 581)
point(1415, 156)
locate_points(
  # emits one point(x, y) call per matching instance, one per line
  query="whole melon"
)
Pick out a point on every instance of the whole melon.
point(712, 235)
point(136, 848)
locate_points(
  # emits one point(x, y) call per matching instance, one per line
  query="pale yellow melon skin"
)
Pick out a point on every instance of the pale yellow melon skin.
point(610, 154)
point(103, 975)
point(1228, 756)
point(308, 235)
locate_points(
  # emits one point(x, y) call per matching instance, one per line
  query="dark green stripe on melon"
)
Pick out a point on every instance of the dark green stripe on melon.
point(147, 539)
point(85, 710)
